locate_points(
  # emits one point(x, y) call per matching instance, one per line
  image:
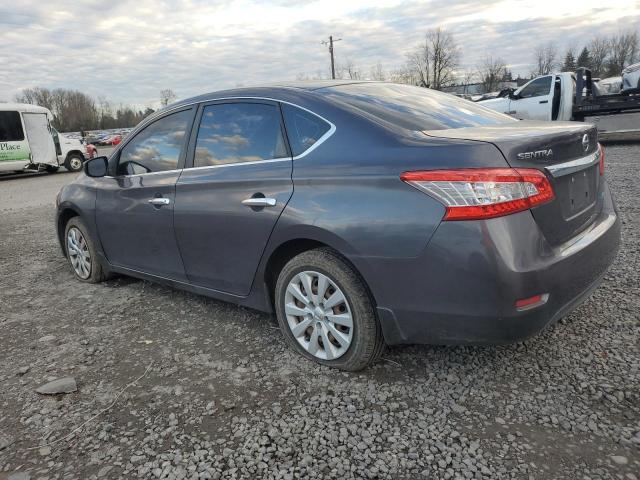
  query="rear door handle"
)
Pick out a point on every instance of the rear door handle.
point(259, 202)
point(159, 201)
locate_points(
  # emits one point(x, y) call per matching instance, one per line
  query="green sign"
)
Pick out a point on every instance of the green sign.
point(13, 151)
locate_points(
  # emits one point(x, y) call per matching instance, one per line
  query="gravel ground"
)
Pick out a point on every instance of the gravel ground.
point(172, 385)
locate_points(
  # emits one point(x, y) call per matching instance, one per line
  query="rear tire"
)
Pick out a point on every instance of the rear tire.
point(81, 253)
point(74, 162)
point(351, 348)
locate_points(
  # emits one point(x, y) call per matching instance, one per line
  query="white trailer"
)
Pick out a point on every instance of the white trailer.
point(29, 142)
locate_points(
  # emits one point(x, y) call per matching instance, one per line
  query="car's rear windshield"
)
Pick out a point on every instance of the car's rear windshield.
point(414, 108)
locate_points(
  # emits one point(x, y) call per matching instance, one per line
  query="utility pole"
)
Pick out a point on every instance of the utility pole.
point(330, 43)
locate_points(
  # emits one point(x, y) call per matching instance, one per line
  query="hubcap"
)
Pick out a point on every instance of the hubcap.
point(75, 163)
point(318, 315)
point(78, 251)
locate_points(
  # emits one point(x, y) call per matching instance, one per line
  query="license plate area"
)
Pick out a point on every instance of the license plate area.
point(577, 191)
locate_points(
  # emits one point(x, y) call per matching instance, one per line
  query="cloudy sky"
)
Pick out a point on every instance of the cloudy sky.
point(128, 51)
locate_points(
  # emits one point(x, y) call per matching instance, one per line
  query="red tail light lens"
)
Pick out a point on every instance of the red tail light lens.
point(601, 152)
point(531, 302)
point(474, 194)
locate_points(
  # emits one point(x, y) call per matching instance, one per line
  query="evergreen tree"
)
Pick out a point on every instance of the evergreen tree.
point(584, 59)
point(569, 62)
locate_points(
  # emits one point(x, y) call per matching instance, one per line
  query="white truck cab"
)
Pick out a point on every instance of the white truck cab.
point(548, 97)
point(29, 142)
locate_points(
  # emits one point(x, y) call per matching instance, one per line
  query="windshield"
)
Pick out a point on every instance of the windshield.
point(414, 108)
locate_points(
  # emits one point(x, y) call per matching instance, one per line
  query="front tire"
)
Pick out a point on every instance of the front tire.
point(326, 312)
point(81, 252)
point(74, 162)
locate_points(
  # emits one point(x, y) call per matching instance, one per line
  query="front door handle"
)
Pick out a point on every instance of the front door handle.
point(259, 202)
point(543, 101)
point(159, 201)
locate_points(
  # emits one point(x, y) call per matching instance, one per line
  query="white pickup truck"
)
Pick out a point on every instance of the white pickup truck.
point(574, 96)
point(29, 142)
point(549, 97)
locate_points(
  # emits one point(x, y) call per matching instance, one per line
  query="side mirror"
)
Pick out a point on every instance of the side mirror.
point(96, 167)
point(513, 95)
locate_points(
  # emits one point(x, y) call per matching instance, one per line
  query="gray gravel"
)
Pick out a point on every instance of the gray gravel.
point(220, 396)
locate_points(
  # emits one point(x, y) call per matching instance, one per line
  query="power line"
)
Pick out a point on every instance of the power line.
point(330, 43)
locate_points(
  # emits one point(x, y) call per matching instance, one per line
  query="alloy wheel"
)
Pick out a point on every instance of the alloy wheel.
point(318, 315)
point(78, 252)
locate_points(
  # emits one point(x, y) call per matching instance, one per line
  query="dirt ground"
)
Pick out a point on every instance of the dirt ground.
point(172, 385)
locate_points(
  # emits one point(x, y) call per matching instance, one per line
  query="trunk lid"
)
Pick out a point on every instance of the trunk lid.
point(566, 152)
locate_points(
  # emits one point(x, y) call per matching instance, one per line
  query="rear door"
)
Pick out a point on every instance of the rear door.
point(534, 101)
point(40, 140)
point(229, 201)
point(134, 207)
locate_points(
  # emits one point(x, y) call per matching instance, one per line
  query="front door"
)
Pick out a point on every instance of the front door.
point(534, 101)
point(229, 202)
point(134, 207)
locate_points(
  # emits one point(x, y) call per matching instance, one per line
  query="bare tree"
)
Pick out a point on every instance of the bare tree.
point(406, 75)
point(624, 51)
point(491, 73)
point(469, 76)
point(599, 51)
point(378, 73)
point(545, 59)
point(73, 110)
point(434, 62)
point(349, 71)
point(167, 96)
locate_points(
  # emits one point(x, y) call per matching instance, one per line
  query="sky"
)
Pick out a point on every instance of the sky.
point(127, 51)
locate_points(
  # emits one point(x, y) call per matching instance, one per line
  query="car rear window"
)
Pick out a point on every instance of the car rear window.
point(414, 108)
point(10, 127)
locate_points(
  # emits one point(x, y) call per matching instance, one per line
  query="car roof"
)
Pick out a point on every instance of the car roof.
point(23, 107)
point(271, 90)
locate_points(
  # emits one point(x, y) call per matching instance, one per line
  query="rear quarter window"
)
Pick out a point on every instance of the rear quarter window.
point(304, 128)
point(414, 108)
point(10, 127)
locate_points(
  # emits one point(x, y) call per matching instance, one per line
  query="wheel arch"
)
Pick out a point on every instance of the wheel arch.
point(291, 247)
point(71, 153)
point(66, 213)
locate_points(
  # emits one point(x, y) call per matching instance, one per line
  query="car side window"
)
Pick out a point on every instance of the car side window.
point(238, 133)
point(157, 148)
point(10, 127)
point(303, 128)
point(537, 88)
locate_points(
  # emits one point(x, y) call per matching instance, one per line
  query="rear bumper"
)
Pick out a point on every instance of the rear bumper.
point(463, 288)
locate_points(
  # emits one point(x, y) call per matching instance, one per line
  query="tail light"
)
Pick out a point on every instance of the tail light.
point(601, 153)
point(473, 194)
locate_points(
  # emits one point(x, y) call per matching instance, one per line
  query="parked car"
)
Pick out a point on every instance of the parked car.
point(631, 79)
point(361, 213)
point(112, 140)
point(28, 141)
point(606, 86)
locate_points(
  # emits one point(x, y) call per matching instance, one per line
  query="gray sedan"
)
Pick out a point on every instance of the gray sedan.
point(361, 213)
